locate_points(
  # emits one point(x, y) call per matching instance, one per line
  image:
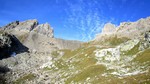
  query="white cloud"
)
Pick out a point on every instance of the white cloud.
point(86, 17)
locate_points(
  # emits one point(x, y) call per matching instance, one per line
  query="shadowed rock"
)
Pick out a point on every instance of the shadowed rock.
point(10, 44)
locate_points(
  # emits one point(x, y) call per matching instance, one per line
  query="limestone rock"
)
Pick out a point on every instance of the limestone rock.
point(27, 25)
point(108, 28)
point(129, 30)
point(11, 25)
point(146, 43)
point(5, 40)
point(44, 29)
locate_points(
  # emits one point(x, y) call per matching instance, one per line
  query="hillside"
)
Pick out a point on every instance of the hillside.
point(117, 55)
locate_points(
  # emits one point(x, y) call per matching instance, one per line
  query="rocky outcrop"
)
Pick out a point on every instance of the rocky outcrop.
point(147, 36)
point(5, 40)
point(9, 45)
point(39, 37)
point(28, 25)
point(130, 30)
point(11, 25)
point(109, 28)
point(146, 41)
point(44, 29)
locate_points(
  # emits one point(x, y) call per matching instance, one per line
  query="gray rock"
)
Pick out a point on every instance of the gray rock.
point(44, 29)
point(11, 25)
point(109, 28)
point(5, 40)
point(27, 25)
point(131, 30)
point(146, 43)
point(147, 36)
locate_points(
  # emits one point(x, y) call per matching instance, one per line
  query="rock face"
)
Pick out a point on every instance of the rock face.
point(109, 28)
point(44, 29)
point(9, 44)
point(4, 40)
point(146, 42)
point(11, 25)
point(28, 25)
point(128, 30)
point(147, 36)
point(38, 37)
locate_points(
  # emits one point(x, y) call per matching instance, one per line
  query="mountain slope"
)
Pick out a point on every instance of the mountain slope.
point(117, 55)
point(38, 37)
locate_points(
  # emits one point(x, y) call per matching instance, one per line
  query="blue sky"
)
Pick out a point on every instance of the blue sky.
point(74, 19)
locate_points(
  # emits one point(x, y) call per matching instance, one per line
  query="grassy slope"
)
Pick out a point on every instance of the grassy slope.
point(24, 78)
point(83, 60)
point(143, 57)
point(112, 41)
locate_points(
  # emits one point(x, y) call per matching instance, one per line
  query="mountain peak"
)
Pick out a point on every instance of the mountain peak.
point(109, 28)
point(44, 29)
point(126, 29)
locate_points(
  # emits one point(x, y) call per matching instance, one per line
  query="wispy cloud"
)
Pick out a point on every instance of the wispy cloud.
point(85, 17)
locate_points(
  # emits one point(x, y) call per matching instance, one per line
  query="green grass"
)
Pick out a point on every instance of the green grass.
point(133, 51)
point(134, 79)
point(24, 78)
point(90, 71)
point(79, 54)
point(113, 41)
point(143, 57)
point(55, 53)
point(116, 41)
point(47, 68)
point(69, 53)
point(143, 78)
point(61, 64)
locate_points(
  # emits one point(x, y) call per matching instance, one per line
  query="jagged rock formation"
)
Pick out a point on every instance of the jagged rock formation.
point(108, 28)
point(38, 37)
point(44, 29)
point(11, 25)
point(28, 25)
point(126, 29)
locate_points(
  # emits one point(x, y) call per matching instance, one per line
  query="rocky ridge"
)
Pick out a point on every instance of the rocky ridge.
point(38, 37)
point(128, 30)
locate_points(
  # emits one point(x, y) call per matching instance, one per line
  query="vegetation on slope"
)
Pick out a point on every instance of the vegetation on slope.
point(25, 78)
point(113, 40)
point(143, 57)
